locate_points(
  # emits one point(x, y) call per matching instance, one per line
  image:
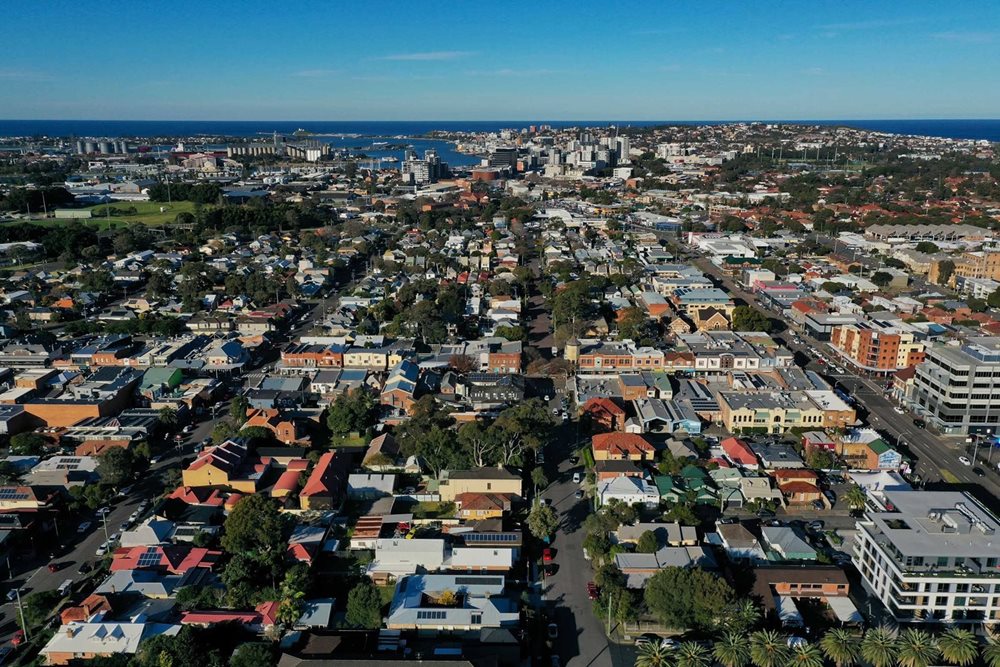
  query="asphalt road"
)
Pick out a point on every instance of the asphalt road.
point(582, 640)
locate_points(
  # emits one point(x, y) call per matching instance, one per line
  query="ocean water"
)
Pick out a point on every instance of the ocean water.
point(369, 131)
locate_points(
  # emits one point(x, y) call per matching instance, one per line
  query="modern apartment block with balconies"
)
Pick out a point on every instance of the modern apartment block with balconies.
point(931, 556)
point(955, 389)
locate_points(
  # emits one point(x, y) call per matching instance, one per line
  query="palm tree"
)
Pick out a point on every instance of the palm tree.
point(917, 648)
point(167, 416)
point(768, 649)
point(841, 646)
point(653, 654)
point(692, 654)
point(991, 652)
point(958, 646)
point(732, 650)
point(804, 655)
point(879, 647)
point(742, 616)
point(855, 497)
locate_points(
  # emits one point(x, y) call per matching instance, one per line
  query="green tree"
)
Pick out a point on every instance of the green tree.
point(805, 655)
point(993, 300)
point(253, 654)
point(167, 416)
point(197, 597)
point(687, 599)
point(222, 431)
point(117, 466)
point(958, 646)
point(881, 278)
point(768, 649)
point(37, 608)
point(538, 478)
point(879, 647)
point(945, 270)
point(354, 411)
point(732, 650)
point(692, 654)
point(542, 521)
point(855, 497)
point(647, 543)
point(746, 318)
point(255, 529)
point(27, 444)
point(238, 409)
point(741, 617)
point(928, 247)
point(654, 654)
point(842, 646)
point(364, 606)
point(917, 648)
point(259, 435)
point(991, 652)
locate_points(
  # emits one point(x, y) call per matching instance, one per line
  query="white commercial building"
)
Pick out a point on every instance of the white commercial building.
point(934, 556)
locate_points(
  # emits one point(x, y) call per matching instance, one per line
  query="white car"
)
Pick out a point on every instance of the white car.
point(101, 550)
point(898, 410)
point(964, 460)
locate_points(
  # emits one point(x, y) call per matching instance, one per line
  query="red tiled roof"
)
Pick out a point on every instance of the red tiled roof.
point(738, 451)
point(621, 443)
point(324, 478)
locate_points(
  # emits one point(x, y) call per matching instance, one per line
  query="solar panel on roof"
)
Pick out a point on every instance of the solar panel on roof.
point(478, 581)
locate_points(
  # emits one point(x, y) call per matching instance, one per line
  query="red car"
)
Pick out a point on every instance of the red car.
point(591, 590)
point(547, 556)
point(17, 638)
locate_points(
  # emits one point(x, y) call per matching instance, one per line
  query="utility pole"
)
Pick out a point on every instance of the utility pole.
point(20, 609)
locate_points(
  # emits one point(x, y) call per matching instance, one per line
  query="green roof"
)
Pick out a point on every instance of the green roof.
point(879, 446)
point(664, 484)
point(161, 375)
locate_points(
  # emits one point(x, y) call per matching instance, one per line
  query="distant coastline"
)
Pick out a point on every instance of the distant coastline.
point(988, 129)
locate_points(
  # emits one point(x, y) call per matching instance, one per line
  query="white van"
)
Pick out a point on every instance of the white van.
point(65, 587)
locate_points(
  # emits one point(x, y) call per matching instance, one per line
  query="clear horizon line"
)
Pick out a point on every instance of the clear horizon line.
point(499, 120)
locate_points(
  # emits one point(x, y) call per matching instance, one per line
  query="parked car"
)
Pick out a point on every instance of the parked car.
point(18, 638)
point(898, 410)
point(577, 478)
point(84, 568)
point(979, 472)
point(579, 494)
point(103, 511)
point(815, 525)
point(553, 631)
point(12, 594)
point(124, 491)
point(573, 460)
point(84, 527)
point(547, 555)
point(964, 460)
point(592, 590)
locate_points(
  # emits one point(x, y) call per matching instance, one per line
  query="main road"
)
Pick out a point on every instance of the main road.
point(937, 457)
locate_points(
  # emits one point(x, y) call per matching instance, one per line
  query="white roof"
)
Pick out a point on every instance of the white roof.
point(845, 610)
point(105, 638)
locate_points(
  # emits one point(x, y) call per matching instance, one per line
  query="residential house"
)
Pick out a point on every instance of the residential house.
point(622, 446)
point(480, 480)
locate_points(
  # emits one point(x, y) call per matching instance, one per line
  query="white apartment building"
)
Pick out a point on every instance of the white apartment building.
point(931, 556)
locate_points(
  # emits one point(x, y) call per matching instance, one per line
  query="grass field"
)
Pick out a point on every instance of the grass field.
point(147, 212)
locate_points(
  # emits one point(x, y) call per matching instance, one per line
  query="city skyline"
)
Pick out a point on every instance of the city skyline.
point(423, 62)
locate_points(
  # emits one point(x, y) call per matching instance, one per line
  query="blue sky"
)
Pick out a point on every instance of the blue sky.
point(468, 60)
